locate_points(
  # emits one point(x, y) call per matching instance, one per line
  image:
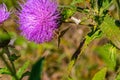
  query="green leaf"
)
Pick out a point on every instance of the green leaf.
point(100, 2)
point(89, 39)
point(4, 71)
point(68, 12)
point(118, 77)
point(37, 70)
point(111, 31)
point(94, 4)
point(105, 5)
point(69, 78)
point(70, 66)
point(108, 55)
point(100, 75)
point(69, 69)
point(22, 69)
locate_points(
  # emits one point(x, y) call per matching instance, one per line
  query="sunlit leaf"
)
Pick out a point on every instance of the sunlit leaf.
point(69, 69)
point(111, 31)
point(89, 39)
point(22, 69)
point(4, 71)
point(108, 55)
point(67, 12)
point(105, 5)
point(100, 75)
point(118, 77)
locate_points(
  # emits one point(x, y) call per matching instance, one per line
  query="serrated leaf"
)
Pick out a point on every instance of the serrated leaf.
point(37, 70)
point(100, 75)
point(105, 5)
point(108, 55)
point(22, 69)
point(111, 31)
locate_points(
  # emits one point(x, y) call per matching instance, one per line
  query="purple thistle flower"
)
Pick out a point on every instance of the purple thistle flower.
point(38, 19)
point(4, 14)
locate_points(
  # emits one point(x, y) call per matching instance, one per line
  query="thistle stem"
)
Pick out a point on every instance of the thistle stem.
point(8, 62)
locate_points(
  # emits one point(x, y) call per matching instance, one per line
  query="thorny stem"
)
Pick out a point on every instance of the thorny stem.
point(74, 58)
point(9, 64)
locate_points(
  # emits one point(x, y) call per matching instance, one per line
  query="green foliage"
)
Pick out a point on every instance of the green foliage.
point(93, 13)
point(69, 69)
point(100, 6)
point(4, 71)
point(22, 69)
point(111, 31)
point(118, 77)
point(100, 75)
point(94, 5)
point(108, 55)
point(20, 41)
point(37, 70)
point(105, 5)
point(70, 66)
point(89, 39)
point(67, 12)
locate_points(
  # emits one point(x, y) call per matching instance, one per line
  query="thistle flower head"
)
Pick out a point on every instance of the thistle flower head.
point(38, 19)
point(4, 14)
